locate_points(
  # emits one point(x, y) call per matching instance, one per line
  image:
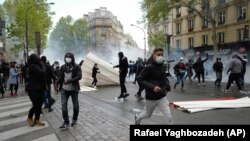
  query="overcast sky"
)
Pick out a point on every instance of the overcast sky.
point(127, 12)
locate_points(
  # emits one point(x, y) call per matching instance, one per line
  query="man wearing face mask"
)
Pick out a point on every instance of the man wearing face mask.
point(68, 82)
point(123, 70)
point(153, 79)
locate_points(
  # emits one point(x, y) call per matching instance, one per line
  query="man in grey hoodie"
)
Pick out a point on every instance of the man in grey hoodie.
point(235, 67)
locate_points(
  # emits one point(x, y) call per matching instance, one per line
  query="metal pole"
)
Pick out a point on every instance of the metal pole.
point(145, 54)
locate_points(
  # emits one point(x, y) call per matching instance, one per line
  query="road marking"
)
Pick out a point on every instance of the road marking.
point(20, 131)
point(13, 112)
point(12, 121)
point(14, 101)
point(51, 137)
point(13, 98)
point(15, 105)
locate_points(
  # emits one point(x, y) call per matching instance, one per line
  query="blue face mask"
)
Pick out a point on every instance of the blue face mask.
point(159, 59)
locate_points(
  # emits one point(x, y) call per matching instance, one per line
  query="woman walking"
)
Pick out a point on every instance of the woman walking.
point(13, 79)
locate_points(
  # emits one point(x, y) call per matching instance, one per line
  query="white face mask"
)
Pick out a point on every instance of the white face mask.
point(68, 60)
point(159, 59)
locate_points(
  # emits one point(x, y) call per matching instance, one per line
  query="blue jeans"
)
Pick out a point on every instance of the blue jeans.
point(64, 99)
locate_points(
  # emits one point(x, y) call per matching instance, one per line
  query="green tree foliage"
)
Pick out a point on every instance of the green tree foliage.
point(157, 40)
point(38, 17)
point(156, 10)
point(71, 35)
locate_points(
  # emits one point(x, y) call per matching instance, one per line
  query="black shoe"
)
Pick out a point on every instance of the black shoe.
point(50, 110)
point(126, 95)
point(121, 96)
point(73, 123)
point(64, 126)
point(52, 102)
point(138, 97)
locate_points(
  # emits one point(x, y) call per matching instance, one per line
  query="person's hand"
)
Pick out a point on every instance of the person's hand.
point(157, 89)
point(65, 82)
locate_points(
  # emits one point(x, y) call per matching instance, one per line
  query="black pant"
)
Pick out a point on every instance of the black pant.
point(234, 77)
point(122, 82)
point(141, 88)
point(218, 78)
point(199, 75)
point(36, 98)
point(94, 81)
point(15, 86)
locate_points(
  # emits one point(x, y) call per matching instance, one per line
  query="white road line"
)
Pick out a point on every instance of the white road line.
point(20, 131)
point(14, 98)
point(12, 121)
point(13, 112)
point(15, 105)
point(13, 101)
point(51, 137)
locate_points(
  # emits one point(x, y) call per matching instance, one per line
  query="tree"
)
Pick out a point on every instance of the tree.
point(157, 40)
point(71, 35)
point(155, 10)
point(39, 19)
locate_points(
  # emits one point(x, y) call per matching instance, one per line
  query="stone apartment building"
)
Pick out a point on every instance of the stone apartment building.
point(105, 31)
point(191, 33)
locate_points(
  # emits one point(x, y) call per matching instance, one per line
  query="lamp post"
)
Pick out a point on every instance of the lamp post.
point(144, 39)
point(26, 26)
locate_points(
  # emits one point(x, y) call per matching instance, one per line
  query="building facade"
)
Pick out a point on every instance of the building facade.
point(192, 32)
point(106, 31)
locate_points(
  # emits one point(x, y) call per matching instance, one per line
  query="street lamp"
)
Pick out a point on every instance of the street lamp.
point(144, 39)
point(26, 26)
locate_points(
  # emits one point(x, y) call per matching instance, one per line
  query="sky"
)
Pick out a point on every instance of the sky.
point(127, 11)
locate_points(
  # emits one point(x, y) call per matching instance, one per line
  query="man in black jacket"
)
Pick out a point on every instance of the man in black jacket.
point(68, 82)
point(95, 70)
point(123, 70)
point(35, 88)
point(218, 68)
point(153, 79)
point(48, 100)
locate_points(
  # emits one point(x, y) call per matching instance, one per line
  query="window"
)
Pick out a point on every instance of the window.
point(178, 43)
point(204, 22)
point(221, 37)
point(190, 42)
point(203, 5)
point(191, 8)
point(242, 12)
point(178, 28)
point(204, 40)
point(190, 25)
point(241, 34)
point(221, 1)
point(178, 11)
point(222, 18)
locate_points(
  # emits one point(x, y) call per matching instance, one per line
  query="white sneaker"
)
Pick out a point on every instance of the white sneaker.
point(95, 87)
point(240, 92)
point(204, 84)
point(199, 84)
point(225, 91)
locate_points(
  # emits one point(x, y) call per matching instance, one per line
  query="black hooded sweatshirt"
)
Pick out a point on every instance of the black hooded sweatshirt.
point(154, 75)
point(76, 73)
point(37, 71)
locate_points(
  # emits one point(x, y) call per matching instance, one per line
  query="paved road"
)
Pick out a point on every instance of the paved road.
point(104, 119)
